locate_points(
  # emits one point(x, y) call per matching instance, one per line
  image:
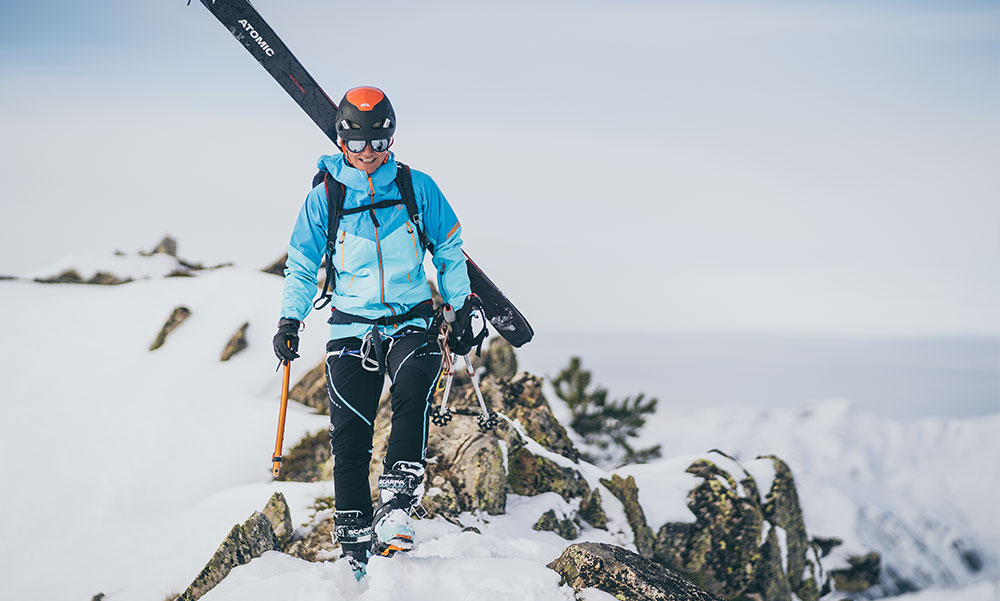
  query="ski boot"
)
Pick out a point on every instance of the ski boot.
point(354, 533)
point(400, 491)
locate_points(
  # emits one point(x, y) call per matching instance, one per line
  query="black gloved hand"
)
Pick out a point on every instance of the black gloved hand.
point(286, 341)
point(462, 339)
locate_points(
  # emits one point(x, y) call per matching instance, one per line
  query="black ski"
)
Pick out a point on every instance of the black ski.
point(247, 26)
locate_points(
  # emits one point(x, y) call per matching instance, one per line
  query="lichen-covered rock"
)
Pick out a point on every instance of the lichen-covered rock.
point(103, 278)
point(311, 389)
point(521, 399)
point(69, 276)
point(592, 511)
point(237, 342)
point(782, 509)
point(317, 544)
point(309, 460)
point(177, 317)
point(862, 572)
point(721, 550)
point(278, 267)
point(167, 246)
point(770, 582)
point(465, 467)
point(564, 527)
point(531, 474)
point(628, 493)
point(623, 574)
point(245, 542)
point(499, 359)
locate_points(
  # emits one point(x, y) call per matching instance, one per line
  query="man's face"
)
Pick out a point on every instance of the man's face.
point(367, 160)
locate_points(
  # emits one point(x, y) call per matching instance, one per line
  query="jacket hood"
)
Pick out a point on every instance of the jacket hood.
point(356, 179)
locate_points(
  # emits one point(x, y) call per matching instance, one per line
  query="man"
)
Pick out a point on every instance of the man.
point(381, 313)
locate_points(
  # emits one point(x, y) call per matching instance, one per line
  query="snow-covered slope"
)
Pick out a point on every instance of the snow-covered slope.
point(125, 468)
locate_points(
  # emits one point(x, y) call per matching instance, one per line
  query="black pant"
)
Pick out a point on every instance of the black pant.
point(413, 365)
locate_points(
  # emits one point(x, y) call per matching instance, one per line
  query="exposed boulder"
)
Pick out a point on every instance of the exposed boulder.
point(237, 342)
point(263, 531)
point(739, 546)
point(177, 317)
point(862, 572)
point(628, 493)
point(309, 460)
point(521, 399)
point(69, 276)
point(166, 246)
point(278, 267)
point(564, 527)
point(499, 359)
point(310, 390)
point(318, 544)
point(623, 574)
point(531, 474)
point(592, 511)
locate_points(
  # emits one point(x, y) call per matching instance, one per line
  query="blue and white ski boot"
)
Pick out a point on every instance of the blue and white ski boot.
point(400, 492)
point(354, 533)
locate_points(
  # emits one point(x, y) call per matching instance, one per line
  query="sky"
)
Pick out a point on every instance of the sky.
point(781, 167)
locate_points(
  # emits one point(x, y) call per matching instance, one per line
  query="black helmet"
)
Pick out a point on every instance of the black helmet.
point(365, 114)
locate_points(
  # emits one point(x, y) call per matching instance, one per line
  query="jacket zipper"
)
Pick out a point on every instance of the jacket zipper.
point(416, 253)
point(378, 246)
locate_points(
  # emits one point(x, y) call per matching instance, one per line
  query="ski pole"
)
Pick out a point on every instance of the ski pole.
point(276, 457)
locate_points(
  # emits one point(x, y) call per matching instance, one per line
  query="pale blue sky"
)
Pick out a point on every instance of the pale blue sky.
point(808, 167)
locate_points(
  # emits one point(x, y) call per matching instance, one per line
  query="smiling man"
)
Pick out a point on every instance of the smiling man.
point(386, 217)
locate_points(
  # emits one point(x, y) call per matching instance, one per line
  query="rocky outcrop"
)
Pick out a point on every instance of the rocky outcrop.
point(310, 390)
point(521, 399)
point(499, 359)
point(563, 526)
point(592, 510)
point(268, 530)
point(628, 493)
point(741, 546)
point(237, 343)
point(278, 267)
point(624, 574)
point(532, 474)
point(862, 573)
point(72, 276)
point(309, 460)
point(177, 317)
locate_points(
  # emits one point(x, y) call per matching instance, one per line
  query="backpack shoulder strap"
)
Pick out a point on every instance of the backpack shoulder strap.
point(334, 206)
point(404, 181)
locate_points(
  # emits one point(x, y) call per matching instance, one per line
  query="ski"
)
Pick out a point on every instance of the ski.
point(249, 28)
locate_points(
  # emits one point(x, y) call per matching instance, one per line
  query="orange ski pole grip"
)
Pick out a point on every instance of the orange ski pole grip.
point(276, 457)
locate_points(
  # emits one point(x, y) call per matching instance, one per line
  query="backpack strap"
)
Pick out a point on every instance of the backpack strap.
point(404, 181)
point(335, 208)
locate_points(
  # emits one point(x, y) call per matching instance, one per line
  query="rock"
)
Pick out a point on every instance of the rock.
point(167, 246)
point(177, 317)
point(278, 267)
point(863, 572)
point(103, 278)
point(770, 582)
point(309, 460)
point(720, 551)
point(530, 474)
point(499, 359)
point(782, 509)
point(623, 574)
point(825, 545)
point(260, 533)
point(69, 276)
point(465, 467)
point(592, 512)
point(565, 527)
point(317, 544)
point(521, 399)
point(237, 343)
point(311, 389)
point(628, 493)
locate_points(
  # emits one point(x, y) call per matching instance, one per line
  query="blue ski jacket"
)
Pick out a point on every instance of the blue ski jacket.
point(378, 269)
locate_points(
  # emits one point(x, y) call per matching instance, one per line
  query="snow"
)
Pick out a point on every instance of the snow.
point(129, 467)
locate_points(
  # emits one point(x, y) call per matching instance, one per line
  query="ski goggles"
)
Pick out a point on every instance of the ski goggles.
point(359, 145)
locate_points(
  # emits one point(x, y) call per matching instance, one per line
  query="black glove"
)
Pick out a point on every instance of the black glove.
point(286, 341)
point(462, 339)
